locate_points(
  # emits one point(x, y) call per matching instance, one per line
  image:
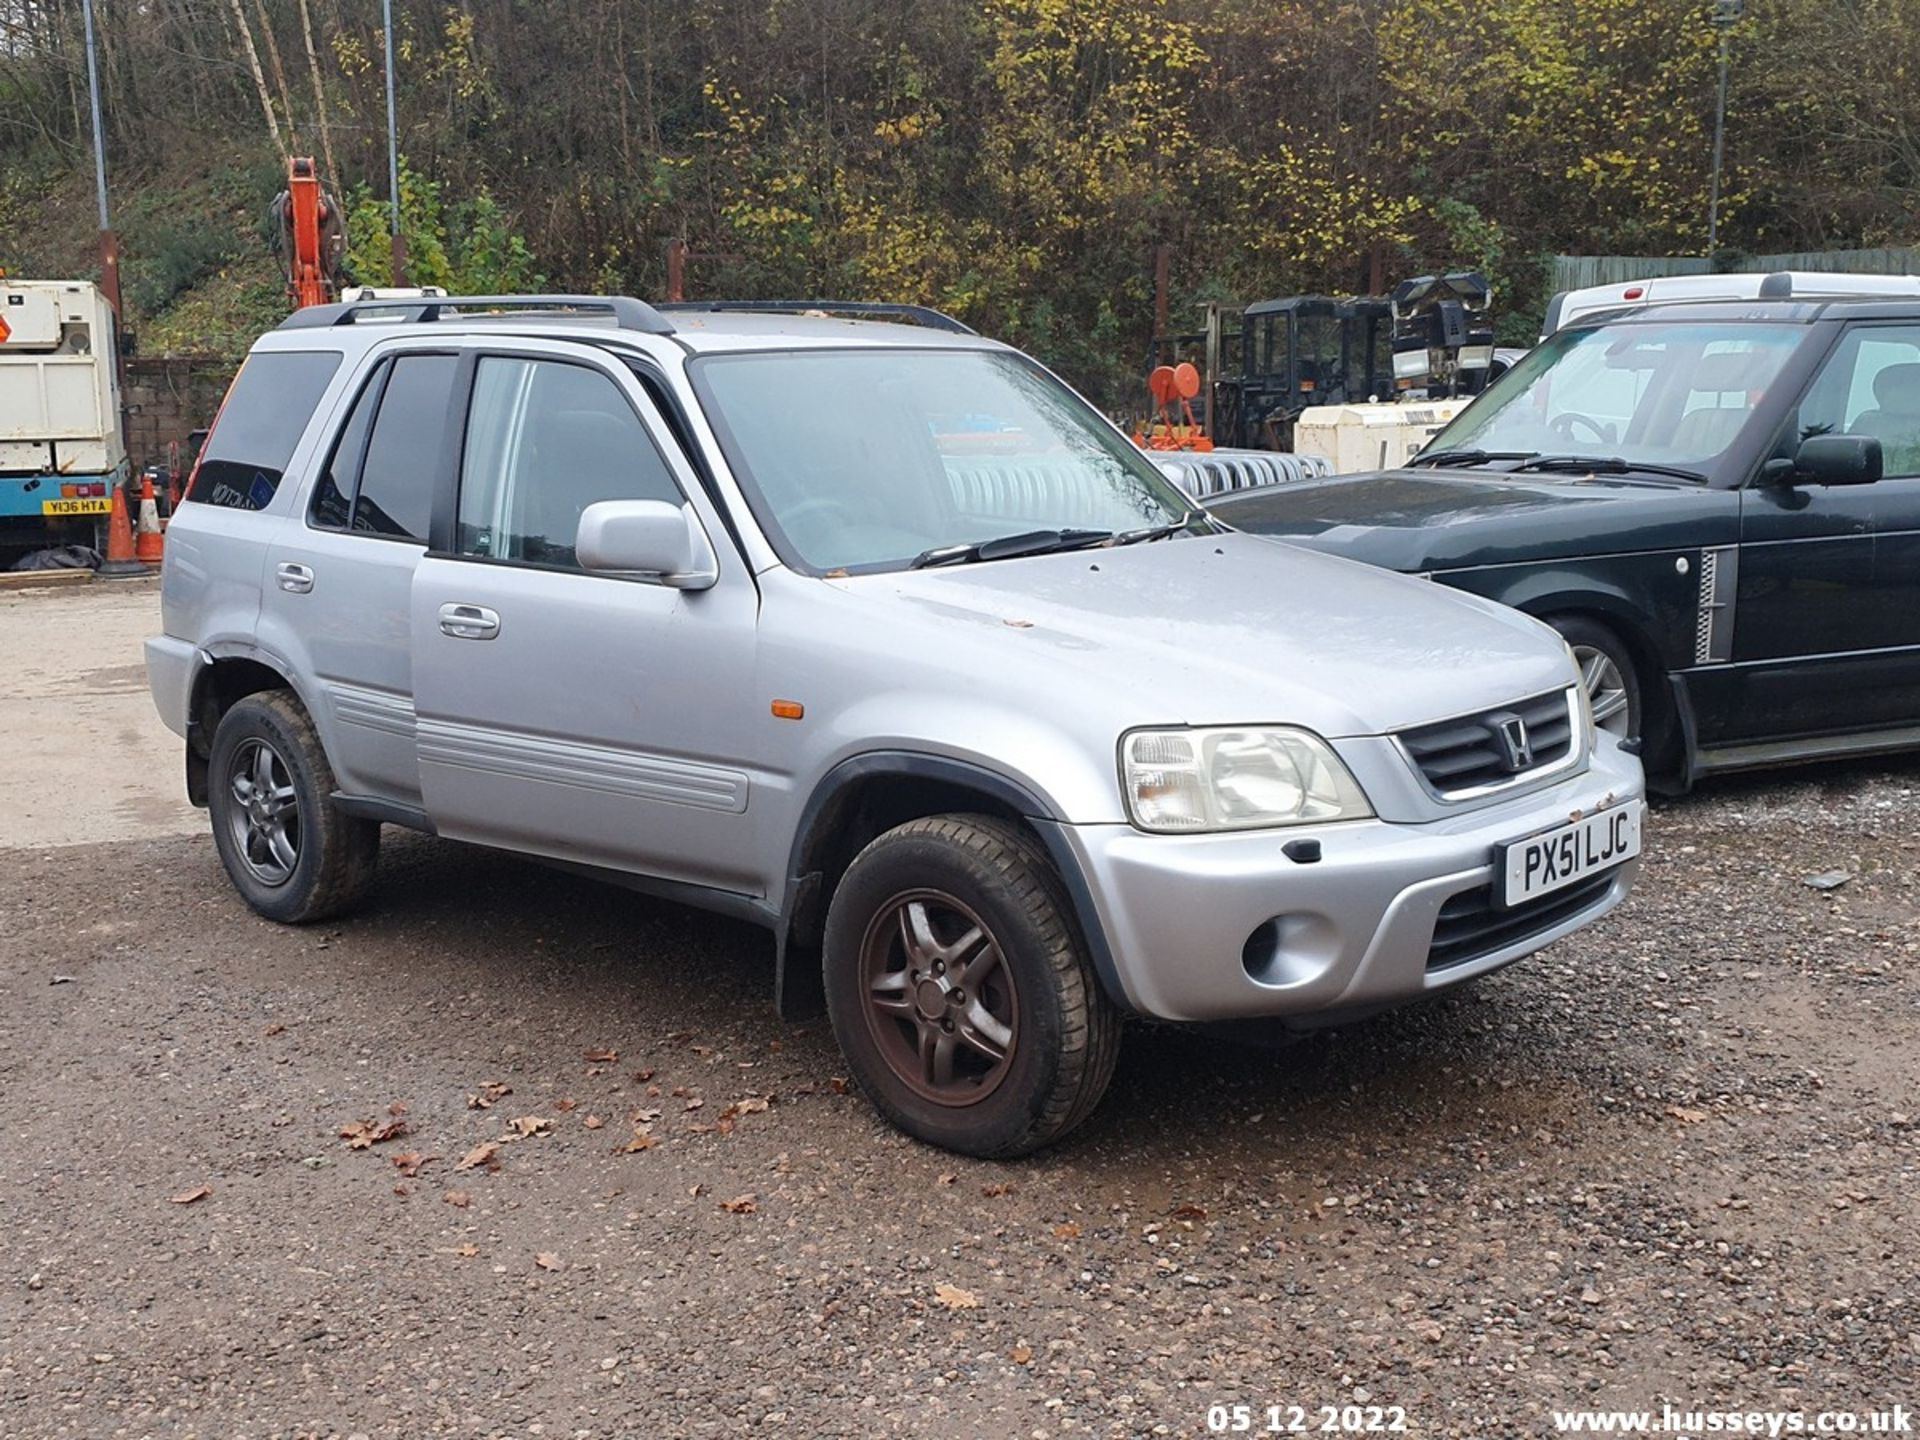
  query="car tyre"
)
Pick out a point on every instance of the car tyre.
point(960, 989)
point(293, 856)
point(1607, 671)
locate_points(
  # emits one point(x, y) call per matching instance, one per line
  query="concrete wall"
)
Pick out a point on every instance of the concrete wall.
point(168, 398)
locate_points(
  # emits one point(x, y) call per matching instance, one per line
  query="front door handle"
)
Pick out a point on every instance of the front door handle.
point(295, 578)
point(469, 622)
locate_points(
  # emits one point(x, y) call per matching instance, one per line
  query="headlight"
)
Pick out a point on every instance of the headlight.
point(1193, 781)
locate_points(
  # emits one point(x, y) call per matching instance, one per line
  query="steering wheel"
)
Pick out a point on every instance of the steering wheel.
point(1563, 425)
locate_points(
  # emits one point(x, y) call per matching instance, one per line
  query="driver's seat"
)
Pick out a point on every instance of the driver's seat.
point(1895, 420)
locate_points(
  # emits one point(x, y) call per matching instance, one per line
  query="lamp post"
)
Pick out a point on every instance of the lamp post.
point(109, 242)
point(393, 155)
point(1726, 14)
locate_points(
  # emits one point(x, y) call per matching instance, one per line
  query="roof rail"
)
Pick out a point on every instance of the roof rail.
point(627, 312)
point(857, 309)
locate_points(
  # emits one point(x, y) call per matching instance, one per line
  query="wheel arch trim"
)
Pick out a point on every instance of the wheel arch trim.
point(800, 893)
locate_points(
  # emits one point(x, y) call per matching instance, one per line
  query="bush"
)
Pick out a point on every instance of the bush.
point(174, 258)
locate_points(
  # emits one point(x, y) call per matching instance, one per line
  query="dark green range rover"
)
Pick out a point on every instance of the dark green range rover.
point(1717, 504)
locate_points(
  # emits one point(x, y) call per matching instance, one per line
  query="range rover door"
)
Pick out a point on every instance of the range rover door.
point(1827, 633)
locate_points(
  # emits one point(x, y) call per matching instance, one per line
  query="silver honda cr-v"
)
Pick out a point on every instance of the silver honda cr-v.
point(877, 634)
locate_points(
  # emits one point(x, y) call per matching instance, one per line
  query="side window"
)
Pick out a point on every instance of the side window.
point(395, 494)
point(265, 413)
point(332, 507)
point(546, 439)
point(1871, 386)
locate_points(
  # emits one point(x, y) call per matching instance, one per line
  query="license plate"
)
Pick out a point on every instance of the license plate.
point(1557, 858)
point(93, 505)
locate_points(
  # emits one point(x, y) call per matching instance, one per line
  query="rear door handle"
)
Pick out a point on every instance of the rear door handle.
point(469, 622)
point(295, 578)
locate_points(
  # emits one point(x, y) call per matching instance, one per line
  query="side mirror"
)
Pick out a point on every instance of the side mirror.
point(649, 540)
point(1838, 460)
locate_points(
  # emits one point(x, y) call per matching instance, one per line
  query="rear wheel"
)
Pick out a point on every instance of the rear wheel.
point(960, 991)
point(292, 856)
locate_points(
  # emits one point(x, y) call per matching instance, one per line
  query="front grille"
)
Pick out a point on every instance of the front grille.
point(1468, 754)
point(1472, 925)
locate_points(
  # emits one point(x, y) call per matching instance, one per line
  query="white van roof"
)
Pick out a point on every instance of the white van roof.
point(1570, 305)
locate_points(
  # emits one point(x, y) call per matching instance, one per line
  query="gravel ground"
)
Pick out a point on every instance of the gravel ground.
point(1672, 1158)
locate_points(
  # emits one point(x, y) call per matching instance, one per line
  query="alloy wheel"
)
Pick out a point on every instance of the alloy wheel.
point(1606, 689)
point(940, 998)
point(265, 819)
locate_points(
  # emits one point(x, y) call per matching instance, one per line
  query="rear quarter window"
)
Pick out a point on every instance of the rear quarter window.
point(266, 411)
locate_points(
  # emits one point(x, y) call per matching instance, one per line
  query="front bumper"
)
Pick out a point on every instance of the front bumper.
point(1225, 927)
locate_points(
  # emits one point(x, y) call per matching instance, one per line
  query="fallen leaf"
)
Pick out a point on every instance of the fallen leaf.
point(640, 1077)
point(1068, 1231)
point(954, 1298)
point(547, 1260)
point(274, 1030)
point(491, 1091)
point(398, 1107)
point(566, 1106)
point(1686, 1116)
point(645, 1117)
point(1021, 1354)
point(741, 1205)
point(837, 1084)
point(593, 1122)
point(995, 1191)
point(752, 1105)
point(695, 1103)
point(1189, 1212)
point(528, 1125)
point(601, 1057)
point(465, 1252)
point(638, 1143)
point(459, 1199)
point(946, 1179)
point(409, 1164)
point(487, 1155)
point(680, 1092)
point(188, 1197)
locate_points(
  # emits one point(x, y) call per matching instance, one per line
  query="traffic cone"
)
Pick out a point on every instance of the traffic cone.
point(149, 545)
point(120, 563)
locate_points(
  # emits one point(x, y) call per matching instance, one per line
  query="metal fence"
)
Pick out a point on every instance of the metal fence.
point(1576, 272)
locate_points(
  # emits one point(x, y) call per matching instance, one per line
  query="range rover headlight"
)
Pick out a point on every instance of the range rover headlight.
point(1235, 778)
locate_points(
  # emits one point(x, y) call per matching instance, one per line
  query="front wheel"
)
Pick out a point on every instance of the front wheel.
point(292, 856)
point(960, 990)
point(1607, 671)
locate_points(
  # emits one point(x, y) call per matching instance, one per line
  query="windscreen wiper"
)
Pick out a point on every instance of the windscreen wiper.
point(1446, 458)
point(1603, 465)
point(1006, 547)
point(1156, 532)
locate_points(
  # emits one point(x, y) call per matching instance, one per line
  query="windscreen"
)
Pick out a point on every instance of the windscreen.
point(865, 460)
point(1671, 394)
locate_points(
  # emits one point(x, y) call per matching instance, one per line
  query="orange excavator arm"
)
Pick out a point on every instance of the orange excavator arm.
point(310, 236)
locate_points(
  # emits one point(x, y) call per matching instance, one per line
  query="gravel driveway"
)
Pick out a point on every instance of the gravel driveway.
point(513, 1154)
